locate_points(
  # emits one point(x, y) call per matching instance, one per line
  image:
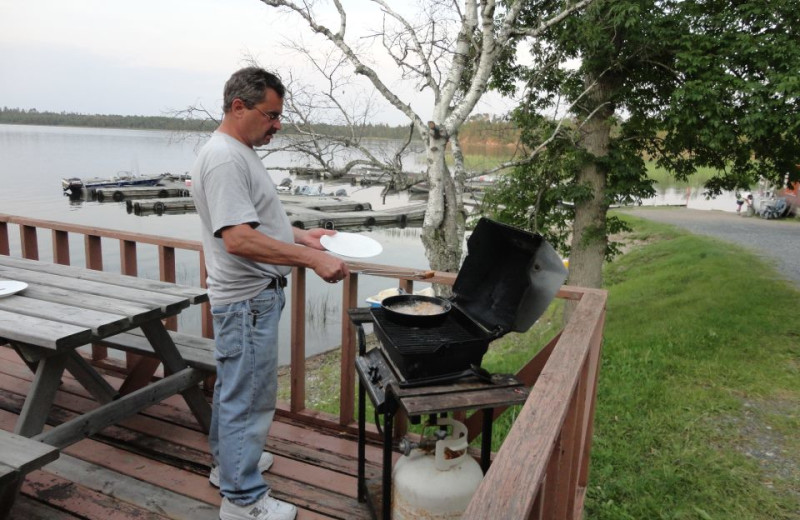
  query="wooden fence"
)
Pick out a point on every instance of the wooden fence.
point(542, 469)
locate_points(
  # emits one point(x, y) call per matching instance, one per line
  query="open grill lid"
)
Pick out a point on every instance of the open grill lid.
point(508, 278)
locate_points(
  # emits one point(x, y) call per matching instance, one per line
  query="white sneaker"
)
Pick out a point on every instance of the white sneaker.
point(264, 463)
point(265, 508)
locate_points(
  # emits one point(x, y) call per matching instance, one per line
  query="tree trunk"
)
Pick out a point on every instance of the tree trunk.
point(443, 228)
point(589, 238)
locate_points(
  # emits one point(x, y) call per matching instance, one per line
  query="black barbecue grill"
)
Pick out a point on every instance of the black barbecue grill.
point(423, 352)
point(508, 279)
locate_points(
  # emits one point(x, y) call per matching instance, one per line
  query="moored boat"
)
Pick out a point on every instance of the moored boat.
point(76, 184)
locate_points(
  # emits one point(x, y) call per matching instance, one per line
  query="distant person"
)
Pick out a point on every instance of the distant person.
point(750, 211)
point(739, 202)
point(249, 248)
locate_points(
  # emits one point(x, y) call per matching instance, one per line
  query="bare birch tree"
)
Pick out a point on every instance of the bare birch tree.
point(449, 52)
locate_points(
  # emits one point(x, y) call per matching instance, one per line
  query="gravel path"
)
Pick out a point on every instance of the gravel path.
point(777, 241)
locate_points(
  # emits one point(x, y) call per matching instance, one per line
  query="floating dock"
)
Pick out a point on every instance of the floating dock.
point(329, 204)
point(160, 207)
point(304, 212)
point(305, 218)
point(119, 194)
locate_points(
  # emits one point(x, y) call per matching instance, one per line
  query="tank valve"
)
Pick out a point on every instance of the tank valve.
point(426, 443)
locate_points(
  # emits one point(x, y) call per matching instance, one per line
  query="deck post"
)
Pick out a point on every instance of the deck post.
point(30, 245)
point(4, 245)
point(60, 247)
point(347, 392)
point(206, 321)
point(298, 340)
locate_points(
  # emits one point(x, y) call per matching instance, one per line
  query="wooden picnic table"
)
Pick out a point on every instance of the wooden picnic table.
point(66, 307)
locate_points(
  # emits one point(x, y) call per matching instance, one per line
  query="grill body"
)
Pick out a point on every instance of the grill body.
point(451, 346)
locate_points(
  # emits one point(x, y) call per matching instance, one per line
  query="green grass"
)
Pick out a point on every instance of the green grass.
point(664, 178)
point(483, 161)
point(701, 366)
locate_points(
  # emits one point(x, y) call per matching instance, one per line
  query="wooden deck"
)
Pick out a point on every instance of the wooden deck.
point(155, 465)
point(541, 472)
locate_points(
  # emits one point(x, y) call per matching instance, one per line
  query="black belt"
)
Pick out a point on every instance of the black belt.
point(277, 282)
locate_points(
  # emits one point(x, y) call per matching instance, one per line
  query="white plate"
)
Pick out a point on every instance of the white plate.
point(378, 298)
point(351, 244)
point(9, 287)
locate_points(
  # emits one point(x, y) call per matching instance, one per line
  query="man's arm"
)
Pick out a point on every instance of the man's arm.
point(243, 240)
point(311, 237)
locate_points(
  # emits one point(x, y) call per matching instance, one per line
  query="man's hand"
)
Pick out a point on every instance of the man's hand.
point(329, 268)
point(310, 238)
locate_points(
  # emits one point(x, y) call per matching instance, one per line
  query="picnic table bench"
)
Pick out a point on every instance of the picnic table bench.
point(197, 351)
point(18, 457)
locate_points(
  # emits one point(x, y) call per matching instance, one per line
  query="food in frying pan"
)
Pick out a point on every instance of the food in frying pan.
point(418, 308)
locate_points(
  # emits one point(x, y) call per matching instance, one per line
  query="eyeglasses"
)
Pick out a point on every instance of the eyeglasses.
point(271, 116)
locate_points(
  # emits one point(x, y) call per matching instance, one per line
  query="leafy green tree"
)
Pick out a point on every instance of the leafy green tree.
point(533, 194)
point(686, 83)
point(736, 106)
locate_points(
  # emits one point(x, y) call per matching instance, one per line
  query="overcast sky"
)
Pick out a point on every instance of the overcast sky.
point(148, 57)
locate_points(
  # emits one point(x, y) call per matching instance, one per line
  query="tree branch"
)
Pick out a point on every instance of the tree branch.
point(425, 72)
point(469, 24)
point(360, 68)
point(537, 31)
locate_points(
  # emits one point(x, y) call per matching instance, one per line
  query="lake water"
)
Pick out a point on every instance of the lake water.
point(34, 159)
point(692, 198)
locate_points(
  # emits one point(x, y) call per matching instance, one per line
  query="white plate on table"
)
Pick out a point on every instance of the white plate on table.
point(351, 244)
point(9, 287)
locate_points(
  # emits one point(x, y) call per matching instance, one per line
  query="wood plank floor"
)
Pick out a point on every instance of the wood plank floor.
point(155, 465)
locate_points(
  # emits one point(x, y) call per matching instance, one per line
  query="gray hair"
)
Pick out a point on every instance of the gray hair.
point(250, 85)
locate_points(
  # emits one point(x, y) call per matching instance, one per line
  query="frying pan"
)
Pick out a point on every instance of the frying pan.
point(415, 320)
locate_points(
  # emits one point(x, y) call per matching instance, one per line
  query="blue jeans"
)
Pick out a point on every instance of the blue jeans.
point(246, 390)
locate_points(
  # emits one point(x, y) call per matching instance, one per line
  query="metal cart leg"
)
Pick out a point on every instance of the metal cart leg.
point(387, 465)
point(362, 410)
point(362, 422)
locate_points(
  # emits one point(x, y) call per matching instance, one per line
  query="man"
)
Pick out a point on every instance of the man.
point(249, 247)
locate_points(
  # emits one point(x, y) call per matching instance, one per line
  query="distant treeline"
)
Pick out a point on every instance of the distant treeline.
point(479, 128)
point(488, 130)
point(16, 116)
point(375, 131)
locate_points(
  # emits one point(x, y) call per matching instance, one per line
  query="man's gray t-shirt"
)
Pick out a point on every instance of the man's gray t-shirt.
point(230, 186)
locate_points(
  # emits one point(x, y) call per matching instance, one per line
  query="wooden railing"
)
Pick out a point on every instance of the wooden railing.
point(541, 470)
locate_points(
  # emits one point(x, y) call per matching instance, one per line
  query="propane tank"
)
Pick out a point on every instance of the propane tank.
point(439, 485)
